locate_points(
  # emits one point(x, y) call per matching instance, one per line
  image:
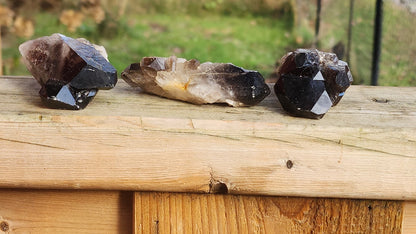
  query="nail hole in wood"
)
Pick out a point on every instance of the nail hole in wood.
point(218, 187)
point(4, 226)
point(289, 164)
point(157, 226)
point(380, 100)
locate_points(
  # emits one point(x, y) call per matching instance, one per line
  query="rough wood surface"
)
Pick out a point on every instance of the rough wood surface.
point(196, 213)
point(125, 140)
point(40, 211)
point(409, 217)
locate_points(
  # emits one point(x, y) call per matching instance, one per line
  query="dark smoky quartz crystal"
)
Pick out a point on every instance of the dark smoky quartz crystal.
point(310, 82)
point(197, 83)
point(70, 71)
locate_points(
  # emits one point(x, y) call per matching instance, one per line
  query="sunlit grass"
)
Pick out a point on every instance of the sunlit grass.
point(250, 42)
point(253, 43)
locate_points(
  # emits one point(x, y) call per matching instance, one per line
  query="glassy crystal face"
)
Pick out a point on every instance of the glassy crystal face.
point(70, 71)
point(310, 82)
point(191, 81)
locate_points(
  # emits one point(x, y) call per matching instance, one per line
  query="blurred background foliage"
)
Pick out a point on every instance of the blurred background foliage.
point(251, 34)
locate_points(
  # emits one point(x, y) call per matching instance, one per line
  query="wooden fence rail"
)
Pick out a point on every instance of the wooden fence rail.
point(363, 149)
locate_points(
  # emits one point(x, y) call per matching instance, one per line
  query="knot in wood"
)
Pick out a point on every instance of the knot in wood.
point(4, 226)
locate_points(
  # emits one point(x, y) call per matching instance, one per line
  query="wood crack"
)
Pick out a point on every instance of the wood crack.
point(193, 133)
point(359, 147)
point(273, 139)
point(95, 142)
point(31, 143)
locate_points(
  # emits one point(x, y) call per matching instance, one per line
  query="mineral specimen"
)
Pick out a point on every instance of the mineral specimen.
point(70, 71)
point(191, 81)
point(310, 82)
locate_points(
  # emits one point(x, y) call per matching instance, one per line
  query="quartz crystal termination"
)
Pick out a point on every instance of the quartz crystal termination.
point(310, 82)
point(191, 81)
point(70, 71)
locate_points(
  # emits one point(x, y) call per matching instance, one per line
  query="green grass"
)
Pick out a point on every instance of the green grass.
point(250, 42)
point(240, 35)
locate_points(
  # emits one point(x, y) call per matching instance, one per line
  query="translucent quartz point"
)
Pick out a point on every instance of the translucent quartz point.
point(191, 81)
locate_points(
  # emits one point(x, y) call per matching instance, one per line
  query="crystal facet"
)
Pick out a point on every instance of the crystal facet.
point(191, 81)
point(69, 70)
point(310, 82)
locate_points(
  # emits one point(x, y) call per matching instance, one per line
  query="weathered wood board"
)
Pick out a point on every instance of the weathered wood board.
point(53, 211)
point(409, 217)
point(196, 213)
point(126, 140)
point(75, 211)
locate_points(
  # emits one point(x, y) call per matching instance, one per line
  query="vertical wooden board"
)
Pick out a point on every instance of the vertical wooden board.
point(241, 214)
point(253, 215)
point(409, 217)
point(147, 224)
point(163, 209)
point(46, 211)
point(221, 215)
point(187, 212)
point(213, 213)
point(154, 215)
point(231, 215)
point(138, 213)
point(199, 213)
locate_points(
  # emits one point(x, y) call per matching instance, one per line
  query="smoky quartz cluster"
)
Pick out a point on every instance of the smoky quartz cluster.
point(70, 71)
point(310, 82)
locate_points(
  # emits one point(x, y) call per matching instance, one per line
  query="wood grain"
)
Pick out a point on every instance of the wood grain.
point(52, 211)
point(201, 213)
point(409, 217)
point(127, 140)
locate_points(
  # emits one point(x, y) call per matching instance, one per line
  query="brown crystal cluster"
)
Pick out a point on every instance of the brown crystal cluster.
point(191, 81)
point(70, 71)
point(310, 82)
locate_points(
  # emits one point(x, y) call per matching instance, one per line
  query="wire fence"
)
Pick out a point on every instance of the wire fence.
point(375, 37)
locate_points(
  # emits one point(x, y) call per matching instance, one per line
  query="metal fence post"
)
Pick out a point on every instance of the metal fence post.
point(317, 22)
point(350, 19)
point(378, 24)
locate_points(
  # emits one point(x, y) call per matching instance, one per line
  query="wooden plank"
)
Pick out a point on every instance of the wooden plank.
point(409, 217)
point(126, 140)
point(53, 211)
point(202, 213)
